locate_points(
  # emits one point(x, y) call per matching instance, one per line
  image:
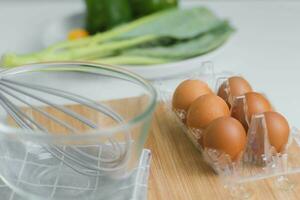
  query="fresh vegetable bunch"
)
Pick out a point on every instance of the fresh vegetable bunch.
point(167, 36)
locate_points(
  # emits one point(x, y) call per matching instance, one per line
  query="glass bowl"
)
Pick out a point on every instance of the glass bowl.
point(72, 130)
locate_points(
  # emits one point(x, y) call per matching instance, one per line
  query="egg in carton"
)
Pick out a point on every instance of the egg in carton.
point(267, 131)
point(265, 153)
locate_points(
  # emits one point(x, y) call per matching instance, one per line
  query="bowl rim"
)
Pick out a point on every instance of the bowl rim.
point(37, 134)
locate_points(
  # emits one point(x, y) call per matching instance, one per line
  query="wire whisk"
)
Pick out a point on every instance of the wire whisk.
point(111, 155)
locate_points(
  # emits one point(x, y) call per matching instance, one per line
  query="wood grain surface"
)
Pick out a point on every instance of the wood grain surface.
point(178, 171)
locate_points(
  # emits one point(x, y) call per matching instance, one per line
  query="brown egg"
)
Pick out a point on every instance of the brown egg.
point(205, 109)
point(234, 87)
point(238, 112)
point(255, 103)
point(187, 92)
point(278, 130)
point(227, 135)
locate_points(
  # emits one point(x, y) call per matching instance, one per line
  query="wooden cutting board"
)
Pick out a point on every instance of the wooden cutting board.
point(178, 171)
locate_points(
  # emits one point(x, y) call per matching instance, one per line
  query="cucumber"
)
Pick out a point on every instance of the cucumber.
point(145, 7)
point(102, 15)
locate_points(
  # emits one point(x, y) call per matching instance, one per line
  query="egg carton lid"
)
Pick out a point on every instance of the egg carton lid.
point(138, 191)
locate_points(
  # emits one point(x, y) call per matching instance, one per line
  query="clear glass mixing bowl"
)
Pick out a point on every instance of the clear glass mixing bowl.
point(72, 130)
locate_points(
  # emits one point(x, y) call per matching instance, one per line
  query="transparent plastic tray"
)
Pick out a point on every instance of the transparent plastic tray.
point(136, 189)
point(238, 176)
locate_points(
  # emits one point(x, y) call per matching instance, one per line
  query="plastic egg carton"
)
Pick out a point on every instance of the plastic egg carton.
point(280, 168)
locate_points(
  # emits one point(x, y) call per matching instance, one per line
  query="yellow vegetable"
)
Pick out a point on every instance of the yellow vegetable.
point(77, 34)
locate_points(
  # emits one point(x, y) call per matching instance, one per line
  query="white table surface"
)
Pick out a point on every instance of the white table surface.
point(265, 48)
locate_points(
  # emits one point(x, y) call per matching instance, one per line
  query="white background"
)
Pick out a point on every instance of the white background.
point(265, 48)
